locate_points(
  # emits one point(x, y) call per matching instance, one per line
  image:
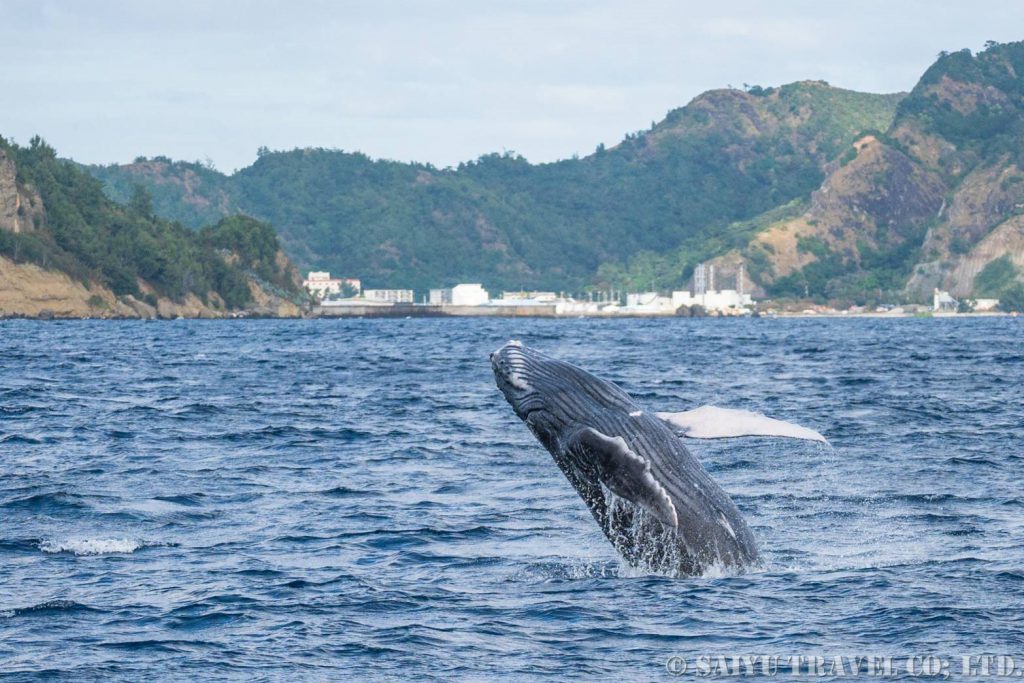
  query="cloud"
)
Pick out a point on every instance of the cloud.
point(440, 81)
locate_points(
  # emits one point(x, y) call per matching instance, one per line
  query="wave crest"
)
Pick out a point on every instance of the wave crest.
point(90, 546)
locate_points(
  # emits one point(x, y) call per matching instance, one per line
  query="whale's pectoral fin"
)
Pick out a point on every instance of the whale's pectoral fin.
point(627, 474)
point(711, 422)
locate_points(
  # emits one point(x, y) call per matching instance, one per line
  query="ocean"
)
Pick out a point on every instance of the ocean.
point(354, 500)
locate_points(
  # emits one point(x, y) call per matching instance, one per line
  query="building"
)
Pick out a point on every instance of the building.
point(460, 295)
point(395, 296)
point(321, 285)
point(981, 305)
point(724, 301)
point(648, 302)
point(710, 299)
point(469, 295)
point(942, 301)
point(439, 297)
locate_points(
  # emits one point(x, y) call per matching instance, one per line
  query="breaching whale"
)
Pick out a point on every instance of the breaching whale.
point(652, 499)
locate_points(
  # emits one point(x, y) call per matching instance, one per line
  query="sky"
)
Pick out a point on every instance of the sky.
point(439, 81)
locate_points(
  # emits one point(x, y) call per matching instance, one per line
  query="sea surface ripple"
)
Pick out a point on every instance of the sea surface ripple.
point(353, 499)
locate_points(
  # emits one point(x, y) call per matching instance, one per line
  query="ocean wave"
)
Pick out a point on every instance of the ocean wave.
point(45, 608)
point(90, 546)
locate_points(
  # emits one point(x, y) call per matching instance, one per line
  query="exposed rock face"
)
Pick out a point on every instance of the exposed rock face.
point(1008, 238)
point(880, 197)
point(879, 200)
point(269, 305)
point(981, 223)
point(21, 209)
point(30, 291)
point(944, 188)
point(26, 289)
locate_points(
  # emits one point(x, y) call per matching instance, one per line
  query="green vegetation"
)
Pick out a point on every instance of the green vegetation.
point(700, 184)
point(995, 277)
point(1011, 299)
point(252, 245)
point(169, 186)
point(645, 210)
point(984, 126)
point(871, 276)
point(94, 239)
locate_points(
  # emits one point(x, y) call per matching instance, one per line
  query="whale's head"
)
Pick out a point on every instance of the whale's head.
point(550, 395)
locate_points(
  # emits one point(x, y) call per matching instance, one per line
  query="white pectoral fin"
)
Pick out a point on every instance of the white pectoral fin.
point(627, 474)
point(711, 422)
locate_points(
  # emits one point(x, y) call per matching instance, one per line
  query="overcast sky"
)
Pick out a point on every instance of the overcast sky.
point(438, 82)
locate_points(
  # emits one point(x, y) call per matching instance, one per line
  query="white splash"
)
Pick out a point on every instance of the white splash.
point(91, 546)
point(711, 422)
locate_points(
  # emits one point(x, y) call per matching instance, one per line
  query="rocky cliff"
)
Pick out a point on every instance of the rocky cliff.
point(28, 290)
point(928, 203)
point(21, 208)
point(88, 257)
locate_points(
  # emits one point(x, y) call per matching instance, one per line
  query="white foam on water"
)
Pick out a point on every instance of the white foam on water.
point(90, 546)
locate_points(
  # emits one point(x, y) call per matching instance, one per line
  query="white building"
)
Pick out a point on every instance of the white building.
point(395, 296)
point(321, 285)
point(981, 305)
point(469, 295)
point(942, 301)
point(648, 302)
point(723, 301)
point(460, 295)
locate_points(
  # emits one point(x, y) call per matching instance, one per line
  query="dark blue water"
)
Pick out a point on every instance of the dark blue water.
point(354, 499)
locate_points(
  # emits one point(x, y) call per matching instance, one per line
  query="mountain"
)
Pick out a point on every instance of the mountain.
point(689, 186)
point(934, 201)
point(68, 250)
point(815, 191)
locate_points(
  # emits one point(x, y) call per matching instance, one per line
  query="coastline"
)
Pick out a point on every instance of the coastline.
point(475, 312)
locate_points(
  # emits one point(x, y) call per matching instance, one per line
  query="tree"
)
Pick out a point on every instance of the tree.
point(1012, 298)
point(141, 202)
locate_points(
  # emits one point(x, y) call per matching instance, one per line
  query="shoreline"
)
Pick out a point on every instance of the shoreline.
point(404, 315)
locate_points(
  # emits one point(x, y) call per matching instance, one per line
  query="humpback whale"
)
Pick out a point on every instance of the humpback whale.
point(652, 499)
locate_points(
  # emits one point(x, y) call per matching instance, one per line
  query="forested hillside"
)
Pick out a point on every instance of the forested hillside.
point(936, 200)
point(676, 188)
point(818, 192)
point(57, 217)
